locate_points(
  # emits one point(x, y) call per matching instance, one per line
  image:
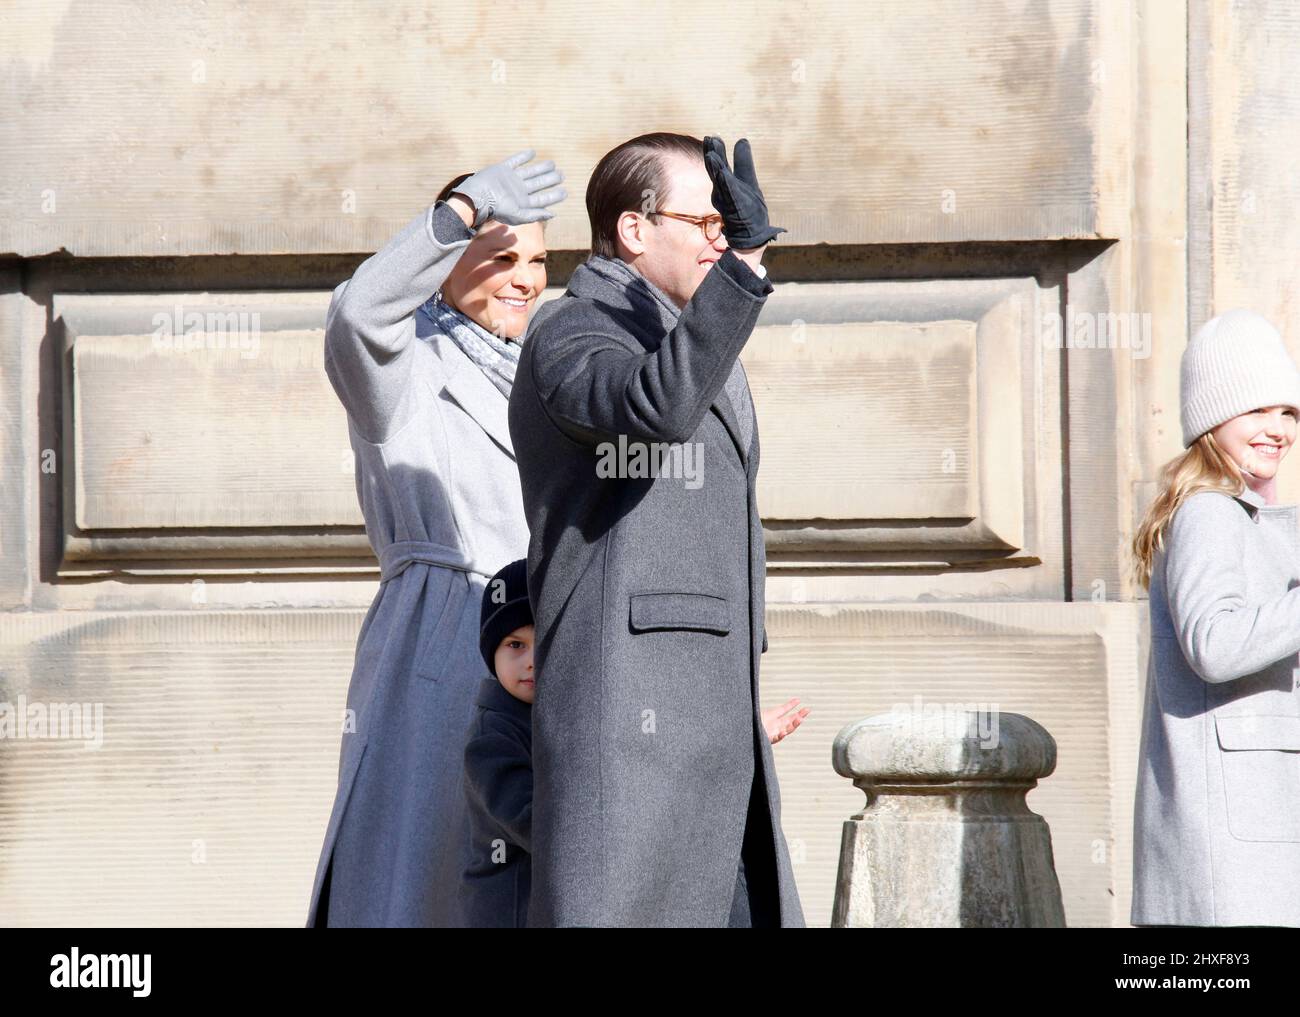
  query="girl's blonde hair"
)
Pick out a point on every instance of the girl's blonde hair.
point(1203, 467)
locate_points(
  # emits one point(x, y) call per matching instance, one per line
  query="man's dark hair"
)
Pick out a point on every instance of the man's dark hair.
point(632, 176)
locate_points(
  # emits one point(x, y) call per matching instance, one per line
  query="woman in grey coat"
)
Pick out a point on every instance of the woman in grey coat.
point(1217, 819)
point(420, 346)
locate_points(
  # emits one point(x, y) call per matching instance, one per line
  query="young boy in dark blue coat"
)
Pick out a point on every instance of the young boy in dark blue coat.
point(498, 760)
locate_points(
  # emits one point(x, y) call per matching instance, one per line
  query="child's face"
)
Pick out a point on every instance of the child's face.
point(514, 663)
point(1258, 441)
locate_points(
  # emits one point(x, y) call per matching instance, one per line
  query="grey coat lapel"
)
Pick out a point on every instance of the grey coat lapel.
point(723, 407)
point(479, 398)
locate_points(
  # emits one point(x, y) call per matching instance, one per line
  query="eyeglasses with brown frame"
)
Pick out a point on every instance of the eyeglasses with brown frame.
point(710, 224)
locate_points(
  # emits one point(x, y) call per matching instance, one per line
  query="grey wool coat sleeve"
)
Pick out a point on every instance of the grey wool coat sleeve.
point(598, 385)
point(1223, 634)
point(370, 324)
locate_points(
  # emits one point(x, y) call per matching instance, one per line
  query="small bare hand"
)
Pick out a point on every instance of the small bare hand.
point(779, 721)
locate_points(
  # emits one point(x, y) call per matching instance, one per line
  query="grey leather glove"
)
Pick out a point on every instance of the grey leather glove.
point(513, 193)
point(736, 196)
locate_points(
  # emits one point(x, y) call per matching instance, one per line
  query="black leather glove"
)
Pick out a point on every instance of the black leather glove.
point(736, 196)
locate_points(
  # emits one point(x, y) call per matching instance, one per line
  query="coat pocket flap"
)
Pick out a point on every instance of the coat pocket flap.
point(1267, 731)
point(701, 611)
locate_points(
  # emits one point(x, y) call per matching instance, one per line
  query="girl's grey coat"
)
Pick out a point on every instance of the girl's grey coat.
point(438, 486)
point(647, 595)
point(1217, 822)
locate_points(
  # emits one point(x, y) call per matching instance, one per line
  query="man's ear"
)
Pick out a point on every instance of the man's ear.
point(630, 231)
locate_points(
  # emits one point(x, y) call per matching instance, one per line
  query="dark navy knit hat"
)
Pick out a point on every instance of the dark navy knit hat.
point(505, 608)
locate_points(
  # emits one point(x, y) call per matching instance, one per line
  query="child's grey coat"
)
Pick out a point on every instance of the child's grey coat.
point(648, 601)
point(439, 489)
point(1217, 822)
point(499, 795)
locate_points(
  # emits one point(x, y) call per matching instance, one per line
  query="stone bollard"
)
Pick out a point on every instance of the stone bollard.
point(946, 838)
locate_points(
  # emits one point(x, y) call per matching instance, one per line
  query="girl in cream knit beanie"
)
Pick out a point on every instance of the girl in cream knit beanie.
point(1216, 820)
point(1234, 364)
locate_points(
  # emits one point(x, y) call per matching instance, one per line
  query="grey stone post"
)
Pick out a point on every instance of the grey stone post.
point(945, 838)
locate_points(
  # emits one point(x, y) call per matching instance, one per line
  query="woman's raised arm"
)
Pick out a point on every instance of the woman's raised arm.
point(1222, 633)
point(371, 319)
point(370, 323)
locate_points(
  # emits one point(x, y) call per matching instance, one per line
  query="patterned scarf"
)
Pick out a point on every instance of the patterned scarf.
point(623, 275)
point(496, 357)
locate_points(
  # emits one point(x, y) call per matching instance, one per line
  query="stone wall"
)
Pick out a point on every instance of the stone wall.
point(952, 466)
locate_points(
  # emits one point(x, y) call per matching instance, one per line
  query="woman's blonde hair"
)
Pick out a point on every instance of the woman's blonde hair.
point(1205, 466)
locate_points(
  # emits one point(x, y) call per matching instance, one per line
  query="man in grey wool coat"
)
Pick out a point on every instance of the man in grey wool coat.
point(655, 799)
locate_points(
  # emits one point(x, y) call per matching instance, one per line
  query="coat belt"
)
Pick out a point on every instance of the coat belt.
point(396, 556)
